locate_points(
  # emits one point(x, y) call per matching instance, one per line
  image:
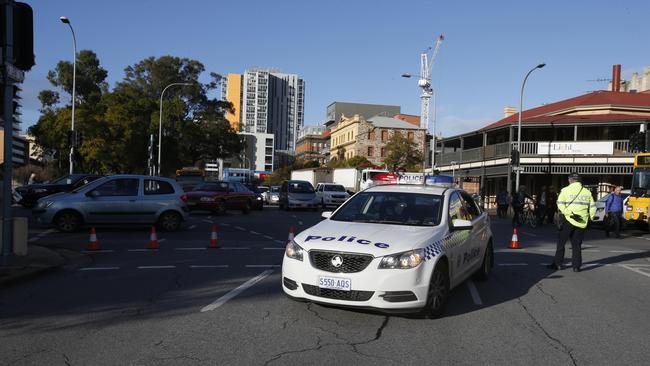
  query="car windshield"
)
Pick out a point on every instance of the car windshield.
point(641, 183)
point(300, 187)
point(212, 187)
point(400, 208)
point(275, 189)
point(68, 179)
point(262, 189)
point(333, 188)
point(89, 186)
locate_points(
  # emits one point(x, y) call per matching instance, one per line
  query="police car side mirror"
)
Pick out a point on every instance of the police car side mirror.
point(326, 214)
point(461, 225)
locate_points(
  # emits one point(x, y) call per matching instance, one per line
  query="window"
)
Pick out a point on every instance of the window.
point(470, 206)
point(383, 152)
point(371, 151)
point(384, 135)
point(371, 135)
point(153, 187)
point(392, 208)
point(458, 208)
point(411, 135)
point(119, 187)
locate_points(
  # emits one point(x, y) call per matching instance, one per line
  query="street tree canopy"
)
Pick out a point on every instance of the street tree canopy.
point(402, 152)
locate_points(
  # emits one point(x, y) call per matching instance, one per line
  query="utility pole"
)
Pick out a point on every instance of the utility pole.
point(7, 60)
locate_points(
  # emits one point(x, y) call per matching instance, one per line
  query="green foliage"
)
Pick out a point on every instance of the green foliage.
point(357, 161)
point(116, 125)
point(402, 153)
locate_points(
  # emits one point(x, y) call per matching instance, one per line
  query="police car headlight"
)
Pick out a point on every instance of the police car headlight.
point(405, 260)
point(294, 251)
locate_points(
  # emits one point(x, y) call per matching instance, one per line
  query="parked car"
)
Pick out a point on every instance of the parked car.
point(31, 193)
point(220, 196)
point(600, 206)
point(274, 195)
point(297, 194)
point(258, 203)
point(331, 194)
point(264, 191)
point(117, 199)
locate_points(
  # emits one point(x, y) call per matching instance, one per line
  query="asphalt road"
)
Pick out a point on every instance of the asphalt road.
point(186, 304)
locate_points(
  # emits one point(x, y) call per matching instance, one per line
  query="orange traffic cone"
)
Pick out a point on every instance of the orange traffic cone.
point(153, 239)
point(93, 244)
point(514, 242)
point(291, 233)
point(213, 238)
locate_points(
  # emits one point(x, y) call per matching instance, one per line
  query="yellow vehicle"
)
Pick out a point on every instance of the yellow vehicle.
point(190, 177)
point(636, 207)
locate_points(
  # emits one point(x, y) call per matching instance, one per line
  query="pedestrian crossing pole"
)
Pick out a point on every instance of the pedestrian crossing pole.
point(7, 84)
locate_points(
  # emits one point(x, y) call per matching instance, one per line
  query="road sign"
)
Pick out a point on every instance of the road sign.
point(14, 73)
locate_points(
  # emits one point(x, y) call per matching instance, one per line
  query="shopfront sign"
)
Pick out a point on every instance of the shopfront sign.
point(576, 148)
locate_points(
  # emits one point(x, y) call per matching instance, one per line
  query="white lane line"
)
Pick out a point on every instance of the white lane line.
point(635, 270)
point(240, 228)
point(209, 266)
point(254, 232)
point(529, 234)
point(156, 267)
point(207, 221)
point(241, 288)
point(142, 250)
point(638, 265)
point(624, 251)
point(474, 292)
point(224, 224)
point(279, 241)
point(274, 248)
point(545, 250)
point(192, 227)
point(234, 248)
point(210, 217)
point(190, 248)
point(262, 266)
point(268, 237)
point(98, 251)
point(161, 240)
point(512, 264)
point(97, 268)
point(300, 223)
point(39, 236)
point(591, 250)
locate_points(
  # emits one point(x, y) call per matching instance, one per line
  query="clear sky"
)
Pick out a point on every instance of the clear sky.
point(357, 50)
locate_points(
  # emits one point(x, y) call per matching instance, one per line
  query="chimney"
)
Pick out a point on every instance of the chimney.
point(616, 78)
point(509, 111)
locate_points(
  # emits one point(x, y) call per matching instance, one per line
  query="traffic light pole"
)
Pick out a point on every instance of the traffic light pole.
point(7, 82)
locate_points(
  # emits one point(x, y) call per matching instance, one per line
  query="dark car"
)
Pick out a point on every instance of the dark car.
point(258, 203)
point(30, 194)
point(220, 196)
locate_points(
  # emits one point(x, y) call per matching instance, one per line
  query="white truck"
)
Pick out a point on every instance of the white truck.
point(354, 179)
point(313, 175)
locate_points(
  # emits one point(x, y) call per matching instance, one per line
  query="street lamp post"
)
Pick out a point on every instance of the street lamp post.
point(65, 20)
point(521, 105)
point(160, 122)
point(433, 123)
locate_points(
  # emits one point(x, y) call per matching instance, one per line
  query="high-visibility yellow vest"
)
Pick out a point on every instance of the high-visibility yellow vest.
point(575, 199)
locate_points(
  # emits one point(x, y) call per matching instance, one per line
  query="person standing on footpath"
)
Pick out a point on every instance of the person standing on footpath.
point(541, 207)
point(614, 212)
point(502, 204)
point(576, 207)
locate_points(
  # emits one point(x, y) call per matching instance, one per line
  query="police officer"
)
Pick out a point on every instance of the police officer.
point(576, 206)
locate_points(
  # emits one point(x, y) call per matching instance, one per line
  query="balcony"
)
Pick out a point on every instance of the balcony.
point(529, 149)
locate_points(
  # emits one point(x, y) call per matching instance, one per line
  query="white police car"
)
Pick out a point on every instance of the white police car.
point(391, 247)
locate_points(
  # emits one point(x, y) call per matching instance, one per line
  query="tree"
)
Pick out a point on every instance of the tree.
point(402, 152)
point(357, 161)
point(90, 79)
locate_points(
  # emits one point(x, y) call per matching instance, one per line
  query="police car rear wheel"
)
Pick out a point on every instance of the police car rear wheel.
point(488, 262)
point(438, 293)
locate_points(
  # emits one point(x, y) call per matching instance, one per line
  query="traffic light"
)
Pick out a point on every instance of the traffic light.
point(514, 157)
point(23, 37)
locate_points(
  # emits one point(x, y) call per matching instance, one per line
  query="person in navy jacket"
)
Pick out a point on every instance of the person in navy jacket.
point(614, 212)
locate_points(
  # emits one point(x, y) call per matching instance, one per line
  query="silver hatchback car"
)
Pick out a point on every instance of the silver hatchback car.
point(116, 199)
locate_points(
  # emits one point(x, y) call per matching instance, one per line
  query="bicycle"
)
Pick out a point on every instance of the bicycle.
point(527, 215)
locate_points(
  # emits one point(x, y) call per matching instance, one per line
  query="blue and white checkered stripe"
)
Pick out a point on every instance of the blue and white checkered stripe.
point(434, 249)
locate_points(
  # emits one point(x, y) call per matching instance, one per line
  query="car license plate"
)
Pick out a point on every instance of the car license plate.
point(334, 283)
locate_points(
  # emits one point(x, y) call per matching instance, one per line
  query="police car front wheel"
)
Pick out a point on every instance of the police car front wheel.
point(483, 273)
point(438, 293)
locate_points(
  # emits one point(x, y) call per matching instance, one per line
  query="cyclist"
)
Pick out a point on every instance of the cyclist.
point(519, 199)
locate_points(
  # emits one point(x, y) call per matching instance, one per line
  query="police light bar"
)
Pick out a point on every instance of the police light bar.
point(439, 180)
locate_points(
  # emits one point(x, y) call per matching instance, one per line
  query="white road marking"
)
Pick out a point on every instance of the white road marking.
point(97, 268)
point(262, 266)
point(210, 217)
point(39, 236)
point(225, 298)
point(591, 250)
point(474, 292)
point(224, 224)
point(300, 223)
point(240, 228)
point(142, 250)
point(98, 251)
point(234, 248)
point(529, 234)
point(268, 237)
point(274, 248)
point(156, 267)
point(192, 227)
point(161, 240)
point(512, 264)
point(637, 270)
point(279, 241)
point(624, 251)
point(190, 248)
point(210, 266)
point(254, 232)
point(207, 221)
point(545, 250)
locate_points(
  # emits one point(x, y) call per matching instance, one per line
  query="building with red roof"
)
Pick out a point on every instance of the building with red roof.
point(588, 134)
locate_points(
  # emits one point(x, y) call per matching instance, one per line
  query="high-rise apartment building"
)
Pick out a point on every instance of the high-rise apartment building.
point(232, 91)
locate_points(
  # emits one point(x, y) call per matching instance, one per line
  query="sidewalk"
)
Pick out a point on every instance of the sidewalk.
point(38, 260)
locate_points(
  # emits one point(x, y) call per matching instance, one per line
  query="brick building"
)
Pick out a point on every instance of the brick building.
point(357, 136)
point(313, 146)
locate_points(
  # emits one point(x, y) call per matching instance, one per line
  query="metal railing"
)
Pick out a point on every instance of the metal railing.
point(528, 148)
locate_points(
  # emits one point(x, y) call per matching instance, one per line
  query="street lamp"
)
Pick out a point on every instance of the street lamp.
point(65, 20)
point(160, 121)
point(453, 170)
point(521, 104)
point(426, 82)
